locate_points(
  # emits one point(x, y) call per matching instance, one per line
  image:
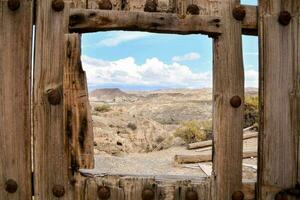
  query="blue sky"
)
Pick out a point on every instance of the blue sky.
point(147, 61)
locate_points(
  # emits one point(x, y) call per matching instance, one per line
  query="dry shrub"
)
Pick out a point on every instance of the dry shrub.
point(103, 108)
point(251, 115)
point(193, 131)
point(132, 126)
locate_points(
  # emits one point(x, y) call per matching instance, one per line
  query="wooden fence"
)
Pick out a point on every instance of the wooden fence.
point(45, 123)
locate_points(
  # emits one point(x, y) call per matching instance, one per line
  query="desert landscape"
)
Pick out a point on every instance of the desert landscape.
point(141, 132)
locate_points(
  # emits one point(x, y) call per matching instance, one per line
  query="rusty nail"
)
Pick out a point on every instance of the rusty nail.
point(281, 196)
point(11, 186)
point(54, 96)
point(150, 6)
point(103, 192)
point(58, 5)
point(105, 5)
point(236, 101)
point(58, 191)
point(193, 9)
point(239, 13)
point(191, 195)
point(13, 4)
point(147, 194)
point(238, 195)
point(284, 18)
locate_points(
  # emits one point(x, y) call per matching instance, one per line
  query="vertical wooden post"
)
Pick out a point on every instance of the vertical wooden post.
point(51, 150)
point(77, 113)
point(15, 133)
point(228, 96)
point(280, 97)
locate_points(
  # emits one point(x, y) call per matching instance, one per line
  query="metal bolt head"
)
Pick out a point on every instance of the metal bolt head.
point(236, 101)
point(147, 194)
point(284, 18)
point(193, 9)
point(103, 192)
point(58, 5)
point(150, 6)
point(281, 196)
point(54, 96)
point(238, 195)
point(191, 195)
point(105, 5)
point(58, 190)
point(13, 5)
point(11, 186)
point(239, 13)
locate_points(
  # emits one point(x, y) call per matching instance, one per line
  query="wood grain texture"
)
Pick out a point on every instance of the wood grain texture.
point(228, 81)
point(131, 188)
point(83, 20)
point(15, 133)
point(206, 8)
point(77, 113)
point(280, 99)
point(51, 149)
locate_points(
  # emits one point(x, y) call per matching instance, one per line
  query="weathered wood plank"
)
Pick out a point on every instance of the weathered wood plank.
point(209, 143)
point(77, 108)
point(15, 132)
point(280, 98)
point(83, 20)
point(207, 157)
point(228, 85)
point(51, 149)
point(131, 188)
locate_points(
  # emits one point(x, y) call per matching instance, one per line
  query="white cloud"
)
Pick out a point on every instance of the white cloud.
point(186, 57)
point(251, 78)
point(117, 38)
point(151, 73)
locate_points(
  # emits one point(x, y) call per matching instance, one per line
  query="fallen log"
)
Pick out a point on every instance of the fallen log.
point(184, 159)
point(209, 143)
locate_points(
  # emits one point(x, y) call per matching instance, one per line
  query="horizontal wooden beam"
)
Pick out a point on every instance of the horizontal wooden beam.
point(249, 24)
point(93, 20)
point(88, 20)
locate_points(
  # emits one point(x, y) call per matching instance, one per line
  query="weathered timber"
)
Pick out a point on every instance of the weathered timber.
point(131, 188)
point(207, 157)
point(250, 22)
point(77, 114)
point(280, 98)
point(228, 121)
point(83, 21)
point(209, 143)
point(51, 144)
point(15, 132)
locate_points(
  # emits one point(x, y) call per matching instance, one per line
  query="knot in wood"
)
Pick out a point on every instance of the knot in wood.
point(11, 186)
point(103, 192)
point(284, 18)
point(150, 6)
point(147, 194)
point(13, 5)
point(54, 96)
point(193, 9)
point(238, 195)
point(236, 101)
point(239, 13)
point(58, 191)
point(191, 195)
point(105, 5)
point(58, 5)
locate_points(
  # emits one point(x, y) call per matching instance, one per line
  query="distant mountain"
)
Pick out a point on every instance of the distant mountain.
point(108, 94)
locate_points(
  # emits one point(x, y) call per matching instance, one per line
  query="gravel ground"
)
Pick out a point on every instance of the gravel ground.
point(161, 163)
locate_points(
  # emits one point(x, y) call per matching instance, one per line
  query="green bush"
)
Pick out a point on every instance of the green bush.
point(251, 115)
point(103, 108)
point(194, 131)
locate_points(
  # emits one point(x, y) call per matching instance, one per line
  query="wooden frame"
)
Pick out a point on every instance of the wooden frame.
point(61, 124)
